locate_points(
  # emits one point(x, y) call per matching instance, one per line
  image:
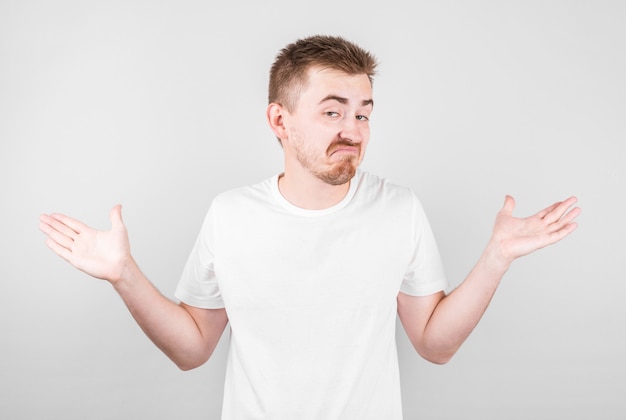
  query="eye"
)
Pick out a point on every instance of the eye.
point(362, 118)
point(332, 114)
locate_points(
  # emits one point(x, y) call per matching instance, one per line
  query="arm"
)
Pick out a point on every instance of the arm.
point(438, 324)
point(187, 335)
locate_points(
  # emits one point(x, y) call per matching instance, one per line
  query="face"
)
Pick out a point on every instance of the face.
point(328, 131)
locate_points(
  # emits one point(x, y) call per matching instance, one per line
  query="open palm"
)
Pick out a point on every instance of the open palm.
point(517, 237)
point(101, 254)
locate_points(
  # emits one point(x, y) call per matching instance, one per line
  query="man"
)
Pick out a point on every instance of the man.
point(311, 267)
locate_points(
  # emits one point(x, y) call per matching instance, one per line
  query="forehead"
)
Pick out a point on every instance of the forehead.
point(322, 82)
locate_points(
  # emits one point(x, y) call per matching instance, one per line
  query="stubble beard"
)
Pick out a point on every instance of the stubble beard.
point(340, 172)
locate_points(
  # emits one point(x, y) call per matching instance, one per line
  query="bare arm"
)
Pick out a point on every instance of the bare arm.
point(187, 335)
point(437, 325)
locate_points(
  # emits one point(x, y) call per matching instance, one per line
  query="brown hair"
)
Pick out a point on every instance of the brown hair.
point(288, 73)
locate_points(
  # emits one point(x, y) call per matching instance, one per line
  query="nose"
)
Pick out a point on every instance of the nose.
point(352, 130)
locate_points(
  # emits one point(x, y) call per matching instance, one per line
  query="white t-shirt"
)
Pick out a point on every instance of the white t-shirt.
point(311, 297)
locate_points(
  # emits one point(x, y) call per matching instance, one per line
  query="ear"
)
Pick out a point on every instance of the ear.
point(275, 118)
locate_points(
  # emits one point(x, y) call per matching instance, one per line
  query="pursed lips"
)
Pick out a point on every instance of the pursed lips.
point(342, 148)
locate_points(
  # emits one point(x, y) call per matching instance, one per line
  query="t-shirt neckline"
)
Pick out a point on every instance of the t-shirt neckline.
point(314, 213)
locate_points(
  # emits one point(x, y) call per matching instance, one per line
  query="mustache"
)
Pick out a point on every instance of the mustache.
point(342, 143)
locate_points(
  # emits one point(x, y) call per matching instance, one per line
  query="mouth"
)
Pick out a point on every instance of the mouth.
point(345, 149)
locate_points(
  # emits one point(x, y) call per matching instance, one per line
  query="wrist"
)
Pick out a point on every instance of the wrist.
point(496, 257)
point(125, 273)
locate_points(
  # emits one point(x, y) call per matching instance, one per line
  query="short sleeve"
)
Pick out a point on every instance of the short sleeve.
point(425, 274)
point(198, 283)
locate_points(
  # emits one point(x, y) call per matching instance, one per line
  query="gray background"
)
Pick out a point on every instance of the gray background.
point(159, 105)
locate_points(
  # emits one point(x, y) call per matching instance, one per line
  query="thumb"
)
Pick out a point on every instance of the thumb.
point(509, 205)
point(116, 217)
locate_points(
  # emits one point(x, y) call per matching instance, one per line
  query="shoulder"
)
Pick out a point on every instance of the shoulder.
point(380, 188)
point(392, 197)
point(246, 196)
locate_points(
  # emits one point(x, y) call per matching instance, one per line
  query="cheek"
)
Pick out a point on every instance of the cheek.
point(365, 136)
point(319, 136)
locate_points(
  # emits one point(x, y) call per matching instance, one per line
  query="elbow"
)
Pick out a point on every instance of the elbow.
point(438, 357)
point(439, 352)
point(192, 357)
point(190, 362)
point(186, 365)
point(186, 368)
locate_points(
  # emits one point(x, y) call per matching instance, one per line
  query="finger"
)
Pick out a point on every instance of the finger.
point(562, 233)
point(58, 249)
point(509, 205)
point(567, 219)
point(558, 212)
point(56, 225)
point(73, 224)
point(116, 217)
point(541, 214)
point(55, 236)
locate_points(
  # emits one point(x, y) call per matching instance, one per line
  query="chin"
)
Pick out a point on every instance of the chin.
point(340, 174)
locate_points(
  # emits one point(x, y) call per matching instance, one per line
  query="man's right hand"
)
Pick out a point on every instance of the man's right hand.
point(101, 254)
point(187, 335)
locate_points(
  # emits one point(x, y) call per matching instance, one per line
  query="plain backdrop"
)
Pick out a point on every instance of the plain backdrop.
point(160, 105)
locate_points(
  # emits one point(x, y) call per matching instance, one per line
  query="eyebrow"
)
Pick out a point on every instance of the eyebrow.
point(343, 100)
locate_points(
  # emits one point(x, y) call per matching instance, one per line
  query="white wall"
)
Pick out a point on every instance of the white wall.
point(159, 105)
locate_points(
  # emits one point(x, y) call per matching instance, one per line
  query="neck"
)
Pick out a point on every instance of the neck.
point(305, 190)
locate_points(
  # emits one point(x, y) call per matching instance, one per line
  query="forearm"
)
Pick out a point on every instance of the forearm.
point(458, 313)
point(437, 325)
point(186, 335)
point(167, 324)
